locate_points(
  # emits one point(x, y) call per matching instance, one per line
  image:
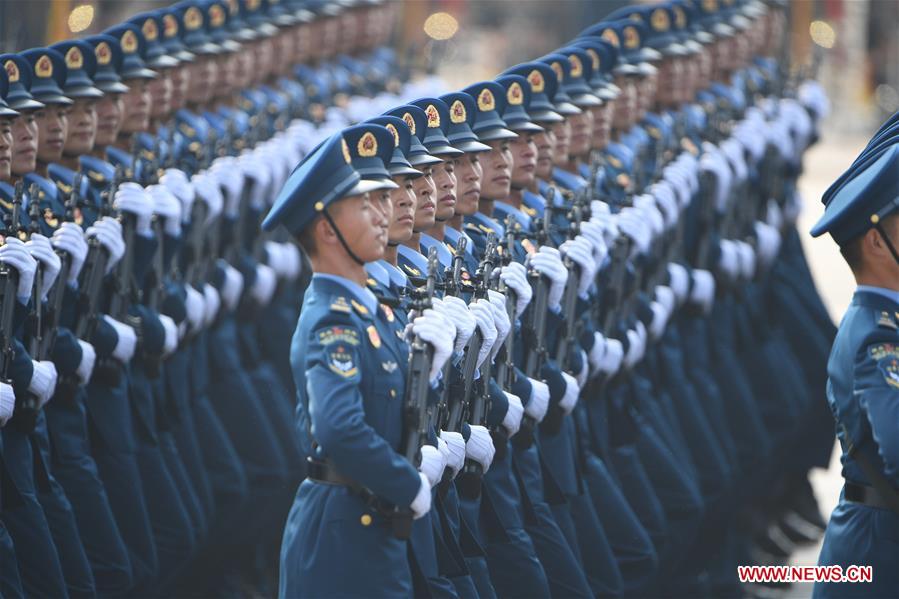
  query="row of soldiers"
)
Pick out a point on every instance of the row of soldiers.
point(561, 340)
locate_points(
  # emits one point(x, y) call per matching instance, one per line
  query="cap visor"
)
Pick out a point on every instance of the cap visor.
point(608, 93)
point(586, 100)
point(54, 99)
point(27, 104)
point(496, 133)
point(525, 127)
point(440, 149)
point(229, 45)
point(245, 34)
point(163, 61)
point(546, 116)
point(88, 91)
point(402, 170)
point(4, 111)
point(626, 69)
point(185, 56)
point(112, 87)
point(645, 69)
point(141, 73)
point(470, 145)
point(367, 185)
point(423, 160)
point(567, 109)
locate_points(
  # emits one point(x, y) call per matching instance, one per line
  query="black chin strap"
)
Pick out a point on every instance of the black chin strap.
point(341, 239)
point(886, 239)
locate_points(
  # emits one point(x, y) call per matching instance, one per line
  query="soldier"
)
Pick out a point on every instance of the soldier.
point(340, 231)
point(859, 216)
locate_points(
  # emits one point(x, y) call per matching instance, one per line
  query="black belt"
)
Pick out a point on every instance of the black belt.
point(400, 519)
point(865, 495)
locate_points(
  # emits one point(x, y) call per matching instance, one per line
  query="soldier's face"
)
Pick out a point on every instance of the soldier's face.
point(302, 42)
point(524, 157)
point(109, 119)
point(497, 176)
point(602, 124)
point(403, 201)
point(647, 94)
point(362, 226)
point(348, 30)
point(581, 133)
point(226, 66)
point(670, 82)
point(562, 133)
point(52, 126)
point(704, 68)
point(200, 81)
point(546, 146)
point(82, 127)
point(263, 53)
point(5, 147)
point(445, 184)
point(24, 139)
point(161, 94)
point(330, 37)
point(136, 106)
point(316, 38)
point(179, 87)
point(625, 106)
point(284, 49)
point(380, 201)
point(244, 62)
point(425, 206)
point(468, 183)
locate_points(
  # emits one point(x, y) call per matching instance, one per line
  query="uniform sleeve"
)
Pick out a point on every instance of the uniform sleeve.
point(333, 373)
point(877, 390)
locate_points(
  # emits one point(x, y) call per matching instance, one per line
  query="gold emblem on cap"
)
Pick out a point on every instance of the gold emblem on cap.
point(410, 122)
point(12, 70)
point(514, 94)
point(710, 5)
point(610, 36)
point(680, 17)
point(193, 19)
point(486, 101)
point(346, 151)
point(394, 132)
point(232, 6)
point(577, 67)
point(43, 67)
point(631, 38)
point(74, 58)
point(535, 78)
point(216, 15)
point(129, 42)
point(660, 20)
point(433, 116)
point(103, 53)
point(150, 30)
point(169, 26)
point(594, 57)
point(557, 69)
point(457, 112)
point(252, 4)
point(367, 146)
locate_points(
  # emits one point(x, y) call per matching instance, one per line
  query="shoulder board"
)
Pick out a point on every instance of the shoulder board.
point(360, 309)
point(411, 269)
point(341, 305)
point(887, 320)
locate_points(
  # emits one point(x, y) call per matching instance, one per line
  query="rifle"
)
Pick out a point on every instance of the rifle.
point(535, 327)
point(449, 417)
point(421, 355)
point(469, 480)
point(36, 315)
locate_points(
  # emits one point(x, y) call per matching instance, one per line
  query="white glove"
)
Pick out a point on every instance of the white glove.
point(703, 292)
point(548, 262)
point(746, 260)
point(177, 182)
point(581, 376)
point(515, 276)
point(213, 303)
point(274, 257)
point(480, 447)
point(483, 314)
point(775, 216)
point(293, 263)
point(455, 457)
point(421, 505)
point(7, 403)
point(232, 286)
point(69, 238)
point(572, 390)
point(595, 232)
point(88, 359)
point(580, 250)
point(127, 340)
point(40, 249)
point(108, 231)
point(133, 199)
point(679, 281)
point(597, 352)
point(633, 350)
point(432, 464)
point(15, 254)
point(631, 222)
point(43, 381)
point(659, 320)
point(456, 311)
point(768, 242)
point(437, 306)
point(264, 286)
point(432, 328)
point(166, 206)
point(171, 335)
point(539, 401)
point(728, 262)
point(512, 419)
point(229, 174)
point(665, 296)
point(194, 305)
point(612, 358)
point(209, 192)
point(500, 319)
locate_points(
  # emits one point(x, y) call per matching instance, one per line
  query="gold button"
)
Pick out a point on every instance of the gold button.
point(365, 519)
point(393, 393)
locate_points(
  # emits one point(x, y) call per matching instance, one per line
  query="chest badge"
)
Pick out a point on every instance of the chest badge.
point(388, 312)
point(389, 366)
point(373, 336)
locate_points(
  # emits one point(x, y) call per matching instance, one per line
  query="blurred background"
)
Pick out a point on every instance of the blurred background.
point(850, 45)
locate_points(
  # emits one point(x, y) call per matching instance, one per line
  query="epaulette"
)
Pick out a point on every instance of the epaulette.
point(340, 305)
point(411, 269)
point(887, 320)
point(99, 171)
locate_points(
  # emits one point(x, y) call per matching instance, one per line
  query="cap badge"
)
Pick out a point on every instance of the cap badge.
point(43, 67)
point(74, 58)
point(367, 146)
point(433, 116)
point(457, 112)
point(610, 36)
point(129, 42)
point(394, 133)
point(12, 71)
point(536, 80)
point(514, 94)
point(104, 53)
point(660, 20)
point(577, 67)
point(193, 19)
point(216, 15)
point(410, 122)
point(150, 30)
point(594, 57)
point(557, 69)
point(346, 151)
point(486, 101)
point(169, 26)
point(631, 38)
